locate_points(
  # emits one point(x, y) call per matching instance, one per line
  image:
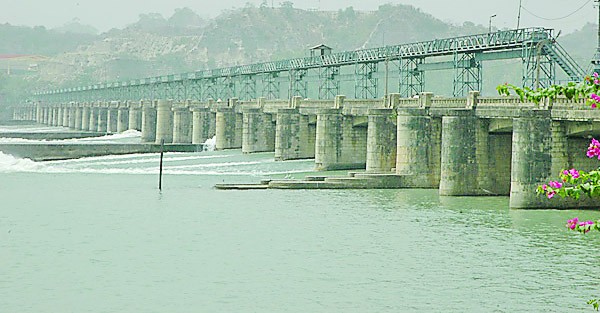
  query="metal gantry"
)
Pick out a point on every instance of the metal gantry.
point(318, 76)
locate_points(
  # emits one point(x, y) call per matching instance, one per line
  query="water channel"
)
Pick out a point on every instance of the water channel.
point(96, 235)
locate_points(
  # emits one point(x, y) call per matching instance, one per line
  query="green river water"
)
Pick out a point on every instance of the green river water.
point(96, 235)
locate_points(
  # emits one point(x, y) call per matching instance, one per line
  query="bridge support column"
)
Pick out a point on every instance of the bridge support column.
point(292, 136)
point(85, 116)
point(72, 115)
point(102, 118)
point(45, 118)
point(164, 121)
point(339, 145)
point(78, 116)
point(39, 113)
point(464, 162)
point(258, 134)
point(201, 120)
point(112, 116)
point(93, 118)
point(418, 147)
point(228, 129)
point(54, 116)
point(182, 125)
point(148, 122)
point(531, 159)
point(135, 116)
point(32, 113)
point(122, 117)
point(65, 115)
point(381, 141)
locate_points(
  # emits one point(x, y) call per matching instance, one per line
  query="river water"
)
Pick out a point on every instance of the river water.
point(96, 235)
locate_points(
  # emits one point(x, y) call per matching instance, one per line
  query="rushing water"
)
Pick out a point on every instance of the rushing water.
point(95, 235)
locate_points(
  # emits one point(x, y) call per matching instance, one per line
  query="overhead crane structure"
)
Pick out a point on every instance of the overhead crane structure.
point(323, 75)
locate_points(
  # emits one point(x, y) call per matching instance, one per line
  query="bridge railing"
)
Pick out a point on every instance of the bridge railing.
point(450, 103)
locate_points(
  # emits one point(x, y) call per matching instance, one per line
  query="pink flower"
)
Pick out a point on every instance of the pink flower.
point(574, 173)
point(551, 194)
point(572, 223)
point(595, 75)
point(594, 149)
point(594, 105)
point(555, 184)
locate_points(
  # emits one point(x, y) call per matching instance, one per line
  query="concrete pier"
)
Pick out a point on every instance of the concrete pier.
point(418, 148)
point(381, 141)
point(531, 158)
point(93, 118)
point(122, 117)
point(135, 115)
point(102, 118)
point(228, 129)
point(164, 121)
point(459, 162)
point(258, 133)
point(56, 111)
point(72, 115)
point(85, 116)
point(148, 121)
point(78, 117)
point(182, 124)
point(112, 117)
point(293, 138)
point(201, 124)
point(65, 115)
point(339, 145)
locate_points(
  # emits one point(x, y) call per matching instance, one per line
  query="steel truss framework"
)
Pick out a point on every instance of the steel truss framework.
point(467, 74)
point(365, 86)
point(329, 83)
point(298, 85)
point(271, 86)
point(536, 47)
point(412, 79)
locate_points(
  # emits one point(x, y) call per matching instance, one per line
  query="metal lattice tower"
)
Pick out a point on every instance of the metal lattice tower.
point(248, 87)
point(298, 85)
point(467, 74)
point(271, 85)
point(539, 70)
point(412, 79)
point(365, 86)
point(329, 86)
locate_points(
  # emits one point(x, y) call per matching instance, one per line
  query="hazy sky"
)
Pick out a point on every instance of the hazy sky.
point(105, 14)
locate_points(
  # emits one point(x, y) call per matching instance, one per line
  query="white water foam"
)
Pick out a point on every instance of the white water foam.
point(33, 129)
point(144, 164)
point(210, 144)
point(9, 163)
point(114, 138)
point(132, 133)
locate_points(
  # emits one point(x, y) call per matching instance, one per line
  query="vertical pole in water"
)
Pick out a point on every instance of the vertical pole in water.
point(162, 149)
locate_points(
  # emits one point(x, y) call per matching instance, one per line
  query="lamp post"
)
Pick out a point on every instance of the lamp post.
point(490, 29)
